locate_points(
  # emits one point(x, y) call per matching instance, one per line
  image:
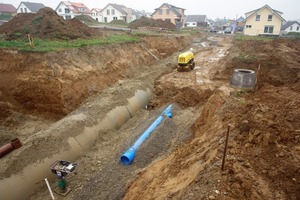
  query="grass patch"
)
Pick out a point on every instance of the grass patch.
point(247, 37)
point(246, 57)
point(55, 45)
point(294, 34)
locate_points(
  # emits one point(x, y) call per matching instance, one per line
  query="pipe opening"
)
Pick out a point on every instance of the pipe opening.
point(245, 71)
point(125, 160)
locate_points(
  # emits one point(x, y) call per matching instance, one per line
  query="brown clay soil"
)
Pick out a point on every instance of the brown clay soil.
point(146, 22)
point(49, 97)
point(45, 24)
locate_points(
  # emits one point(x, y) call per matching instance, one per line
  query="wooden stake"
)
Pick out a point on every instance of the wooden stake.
point(225, 149)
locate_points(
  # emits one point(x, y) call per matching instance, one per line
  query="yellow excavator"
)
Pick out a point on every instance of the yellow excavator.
point(186, 61)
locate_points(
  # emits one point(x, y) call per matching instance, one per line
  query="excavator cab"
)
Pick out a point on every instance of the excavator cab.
point(186, 61)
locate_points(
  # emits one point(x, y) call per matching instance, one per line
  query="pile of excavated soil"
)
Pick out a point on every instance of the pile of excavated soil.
point(146, 22)
point(263, 155)
point(86, 18)
point(45, 24)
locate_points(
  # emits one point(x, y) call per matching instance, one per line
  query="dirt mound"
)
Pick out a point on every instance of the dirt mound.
point(45, 24)
point(146, 22)
point(118, 22)
point(86, 18)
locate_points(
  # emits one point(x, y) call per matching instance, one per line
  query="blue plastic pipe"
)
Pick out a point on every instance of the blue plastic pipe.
point(129, 155)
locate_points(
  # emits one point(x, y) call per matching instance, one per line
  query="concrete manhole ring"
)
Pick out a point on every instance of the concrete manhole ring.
point(243, 78)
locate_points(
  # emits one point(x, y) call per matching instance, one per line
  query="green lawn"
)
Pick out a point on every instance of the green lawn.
point(54, 45)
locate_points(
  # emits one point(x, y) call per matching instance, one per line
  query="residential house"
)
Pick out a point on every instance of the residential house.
point(291, 26)
point(119, 12)
point(70, 10)
point(238, 25)
point(196, 21)
point(97, 14)
point(169, 13)
point(29, 7)
point(7, 9)
point(263, 21)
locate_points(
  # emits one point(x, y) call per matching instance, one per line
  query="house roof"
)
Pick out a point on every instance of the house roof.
point(33, 7)
point(288, 24)
point(276, 12)
point(7, 8)
point(96, 9)
point(121, 8)
point(75, 7)
point(171, 7)
point(195, 18)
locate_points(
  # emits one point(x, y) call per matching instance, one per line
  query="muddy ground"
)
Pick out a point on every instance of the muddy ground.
point(48, 98)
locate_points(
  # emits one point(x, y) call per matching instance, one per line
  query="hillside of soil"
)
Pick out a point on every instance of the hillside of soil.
point(151, 23)
point(263, 155)
point(45, 24)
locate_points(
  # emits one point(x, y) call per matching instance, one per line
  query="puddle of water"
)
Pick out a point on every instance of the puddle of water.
point(21, 185)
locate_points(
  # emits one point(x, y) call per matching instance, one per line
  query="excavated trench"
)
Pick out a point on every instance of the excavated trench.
point(37, 89)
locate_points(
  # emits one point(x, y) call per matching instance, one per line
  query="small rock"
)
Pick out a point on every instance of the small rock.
point(217, 191)
point(281, 155)
point(247, 145)
point(247, 165)
point(211, 197)
point(191, 194)
point(294, 179)
point(224, 193)
point(197, 188)
point(256, 132)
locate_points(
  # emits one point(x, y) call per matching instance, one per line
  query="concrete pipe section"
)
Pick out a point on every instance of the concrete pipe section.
point(243, 78)
point(21, 185)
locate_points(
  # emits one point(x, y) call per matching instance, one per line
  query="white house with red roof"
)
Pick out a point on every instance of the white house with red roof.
point(70, 10)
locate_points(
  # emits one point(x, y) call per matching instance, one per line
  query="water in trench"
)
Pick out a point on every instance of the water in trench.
point(21, 185)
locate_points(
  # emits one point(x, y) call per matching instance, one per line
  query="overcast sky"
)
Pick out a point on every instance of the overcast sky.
point(212, 8)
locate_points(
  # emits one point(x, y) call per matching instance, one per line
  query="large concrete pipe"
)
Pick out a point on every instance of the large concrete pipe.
point(129, 155)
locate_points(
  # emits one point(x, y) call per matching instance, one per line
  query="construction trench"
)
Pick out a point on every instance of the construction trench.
point(89, 107)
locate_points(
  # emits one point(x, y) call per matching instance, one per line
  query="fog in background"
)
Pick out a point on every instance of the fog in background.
point(231, 9)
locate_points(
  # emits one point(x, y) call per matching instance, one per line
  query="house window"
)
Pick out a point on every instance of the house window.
point(269, 29)
point(82, 9)
point(105, 19)
point(21, 10)
point(59, 10)
point(257, 18)
point(108, 12)
point(194, 24)
point(115, 18)
point(25, 10)
point(168, 11)
point(248, 26)
point(68, 17)
point(67, 10)
point(168, 20)
point(112, 11)
point(160, 11)
point(291, 28)
point(298, 28)
point(270, 17)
